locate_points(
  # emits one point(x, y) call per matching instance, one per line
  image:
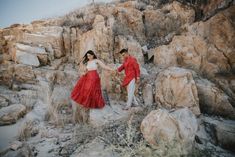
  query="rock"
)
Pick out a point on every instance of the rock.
point(222, 24)
point(16, 145)
point(166, 20)
point(188, 124)
point(204, 51)
point(129, 22)
point(67, 39)
point(30, 49)
point(212, 7)
point(134, 48)
point(60, 96)
point(164, 56)
point(10, 114)
point(24, 74)
point(221, 131)
point(109, 114)
point(161, 127)
point(212, 100)
point(27, 58)
point(6, 74)
point(99, 40)
point(148, 95)
point(3, 102)
point(96, 148)
point(28, 97)
point(50, 36)
point(40, 52)
point(175, 88)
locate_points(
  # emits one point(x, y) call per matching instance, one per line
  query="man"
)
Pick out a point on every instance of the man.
point(132, 76)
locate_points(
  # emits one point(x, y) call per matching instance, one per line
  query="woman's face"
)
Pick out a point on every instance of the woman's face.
point(90, 57)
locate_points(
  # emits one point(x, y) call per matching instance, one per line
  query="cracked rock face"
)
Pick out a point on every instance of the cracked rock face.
point(175, 88)
point(10, 114)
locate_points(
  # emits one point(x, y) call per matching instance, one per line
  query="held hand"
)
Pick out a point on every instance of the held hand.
point(114, 72)
point(138, 80)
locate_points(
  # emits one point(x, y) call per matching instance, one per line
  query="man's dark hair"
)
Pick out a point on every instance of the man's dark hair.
point(123, 51)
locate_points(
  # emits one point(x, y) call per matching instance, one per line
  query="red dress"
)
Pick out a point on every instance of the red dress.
point(87, 91)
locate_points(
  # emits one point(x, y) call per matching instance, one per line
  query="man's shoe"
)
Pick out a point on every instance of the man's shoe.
point(126, 107)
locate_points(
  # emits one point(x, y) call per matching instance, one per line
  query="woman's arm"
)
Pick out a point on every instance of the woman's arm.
point(104, 66)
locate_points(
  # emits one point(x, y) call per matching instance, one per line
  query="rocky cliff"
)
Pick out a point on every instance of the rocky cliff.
point(186, 50)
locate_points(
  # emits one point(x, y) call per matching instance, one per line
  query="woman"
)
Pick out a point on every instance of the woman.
point(87, 91)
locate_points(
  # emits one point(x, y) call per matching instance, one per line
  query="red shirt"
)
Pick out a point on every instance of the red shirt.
point(131, 68)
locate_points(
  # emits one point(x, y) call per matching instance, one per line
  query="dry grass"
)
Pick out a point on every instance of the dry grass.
point(28, 130)
point(131, 144)
point(53, 116)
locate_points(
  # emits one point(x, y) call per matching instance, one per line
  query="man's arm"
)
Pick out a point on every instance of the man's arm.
point(120, 68)
point(137, 68)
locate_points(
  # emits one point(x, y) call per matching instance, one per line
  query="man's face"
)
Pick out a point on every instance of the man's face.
point(124, 55)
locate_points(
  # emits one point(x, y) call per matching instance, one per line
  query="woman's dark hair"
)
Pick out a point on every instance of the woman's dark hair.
point(85, 58)
point(123, 51)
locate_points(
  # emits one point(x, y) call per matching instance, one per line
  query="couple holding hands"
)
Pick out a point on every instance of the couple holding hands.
point(87, 91)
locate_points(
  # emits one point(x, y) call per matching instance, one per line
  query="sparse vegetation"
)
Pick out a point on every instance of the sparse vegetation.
point(29, 129)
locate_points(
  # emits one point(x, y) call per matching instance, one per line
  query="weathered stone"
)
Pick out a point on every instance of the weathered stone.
point(164, 56)
point(222, 132)
point(202, 50)
point(3, 102)
point(176, 88)
point(27, 58)
point(114, 112)
point(10, 114)
point(166, 20)
point(47, 36)
point(134, 48)
point(6, 74)
point(24, 73)
point(16, 145)
point(212, 100)
point(30, 49)
point(60, 96)
point(161, 127)
point(99, 40)
point(129, 22)
point(96, 148)
point(148, 95)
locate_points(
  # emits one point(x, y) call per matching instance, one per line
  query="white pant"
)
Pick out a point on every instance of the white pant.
point(131, 93)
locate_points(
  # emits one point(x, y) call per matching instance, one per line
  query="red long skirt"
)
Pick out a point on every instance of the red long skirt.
point(87, 91)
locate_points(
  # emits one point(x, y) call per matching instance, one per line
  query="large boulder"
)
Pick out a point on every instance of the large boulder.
point(221, 132)
point(175, 88)
point(50, 37)
point(99, 39)
point(10, 114)
point(212, 100)
point(162, 127)
point(204, 51)
point(39, 53)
